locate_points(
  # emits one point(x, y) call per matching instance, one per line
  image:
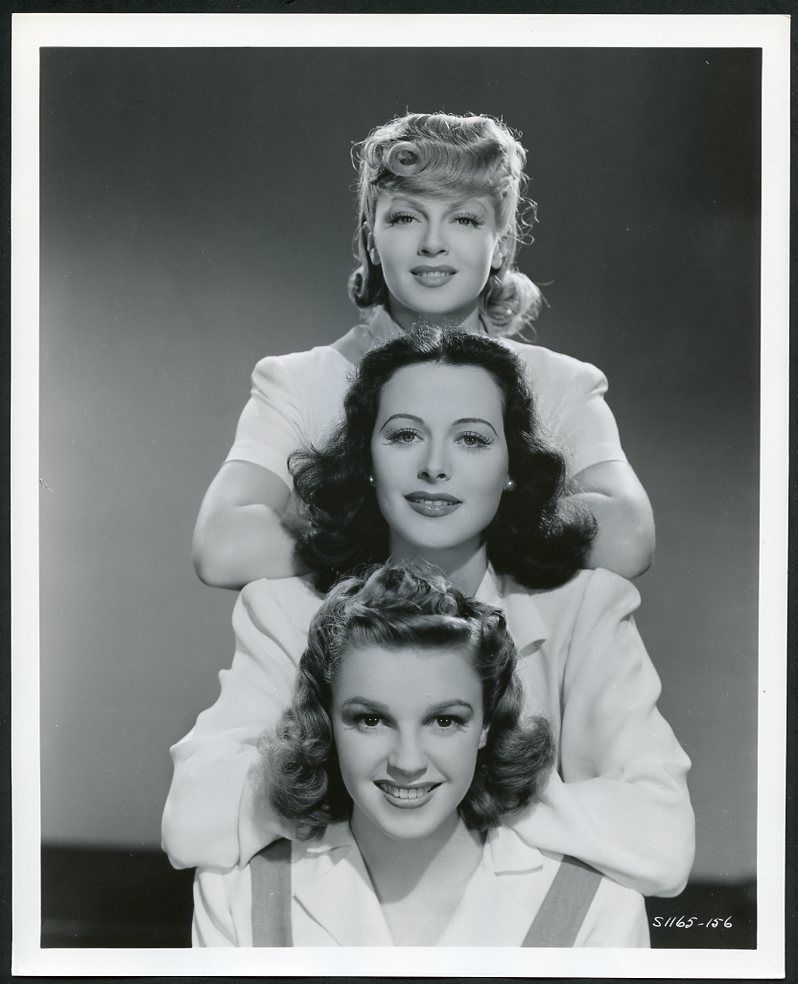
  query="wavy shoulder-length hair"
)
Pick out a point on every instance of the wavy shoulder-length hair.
point(445, 154)
point(395, 607)
point(529, 538)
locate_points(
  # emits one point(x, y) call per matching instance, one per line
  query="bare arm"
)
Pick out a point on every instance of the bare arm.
point(244, 528)
point(625, 539)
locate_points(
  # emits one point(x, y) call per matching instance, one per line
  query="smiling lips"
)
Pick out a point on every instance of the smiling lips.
point(432, 503)
point(433, 276)
point(406, 797)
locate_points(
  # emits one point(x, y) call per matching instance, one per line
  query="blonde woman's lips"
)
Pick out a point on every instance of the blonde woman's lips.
point(407, 797)
point(433, 276)
point(432, 504)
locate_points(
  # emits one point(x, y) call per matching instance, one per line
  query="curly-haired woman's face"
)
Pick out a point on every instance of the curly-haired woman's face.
point(408, 724)
point(435, 253)
point(439, 457)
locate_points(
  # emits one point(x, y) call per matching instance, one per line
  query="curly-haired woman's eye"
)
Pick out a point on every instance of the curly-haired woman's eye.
point(368, 722)
point(448, 722)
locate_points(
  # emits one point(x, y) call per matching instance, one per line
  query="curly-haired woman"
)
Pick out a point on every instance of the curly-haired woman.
point(439, 458)
point(402, 752)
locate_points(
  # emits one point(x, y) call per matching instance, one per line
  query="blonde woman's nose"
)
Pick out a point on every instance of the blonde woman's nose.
point(433, 242)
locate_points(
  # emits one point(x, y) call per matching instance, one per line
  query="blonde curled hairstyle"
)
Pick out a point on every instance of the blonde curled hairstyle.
point(435, 153)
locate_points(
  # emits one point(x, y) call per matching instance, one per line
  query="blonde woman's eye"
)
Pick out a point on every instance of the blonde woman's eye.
point(400, 218)
point(469, 220)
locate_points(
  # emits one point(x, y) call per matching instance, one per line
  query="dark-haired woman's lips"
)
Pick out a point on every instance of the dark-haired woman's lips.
point(433, 503)
point(433, 276)
point(407, 797)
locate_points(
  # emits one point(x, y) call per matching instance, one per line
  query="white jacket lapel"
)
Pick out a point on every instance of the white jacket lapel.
point(501, 900)
point(332, 885)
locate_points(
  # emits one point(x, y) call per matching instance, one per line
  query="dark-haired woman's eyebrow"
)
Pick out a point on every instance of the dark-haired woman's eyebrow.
point(475, 420)
point(403, 416)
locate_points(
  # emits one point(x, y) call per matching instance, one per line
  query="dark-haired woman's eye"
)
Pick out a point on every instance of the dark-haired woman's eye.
point(473, 439)
point(403, 435)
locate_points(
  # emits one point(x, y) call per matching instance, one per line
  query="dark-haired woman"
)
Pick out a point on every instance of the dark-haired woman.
point(439, 223)
point(402, 753)
point(438, 458)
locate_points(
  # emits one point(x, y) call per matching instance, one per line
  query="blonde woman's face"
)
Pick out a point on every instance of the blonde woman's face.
point(436, 253)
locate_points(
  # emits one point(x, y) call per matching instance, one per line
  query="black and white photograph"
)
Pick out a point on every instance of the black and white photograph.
point(399, 446)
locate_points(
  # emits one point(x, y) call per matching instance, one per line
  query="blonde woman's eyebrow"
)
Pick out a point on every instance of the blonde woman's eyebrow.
point(418, 204)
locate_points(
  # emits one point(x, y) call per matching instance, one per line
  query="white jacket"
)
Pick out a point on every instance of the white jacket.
point(619, 800)
point(334, 904)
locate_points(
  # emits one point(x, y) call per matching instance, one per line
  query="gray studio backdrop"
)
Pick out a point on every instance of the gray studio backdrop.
point(196, 215)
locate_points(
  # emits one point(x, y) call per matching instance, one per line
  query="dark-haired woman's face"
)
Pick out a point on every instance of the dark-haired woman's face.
point(435, 253)
point(439, 456)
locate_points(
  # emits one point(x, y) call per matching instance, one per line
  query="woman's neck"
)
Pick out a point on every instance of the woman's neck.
point(398, 867)
point(464, 566)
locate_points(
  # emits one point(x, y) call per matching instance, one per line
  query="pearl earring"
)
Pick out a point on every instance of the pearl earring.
point(371, 481)
point(509, 485)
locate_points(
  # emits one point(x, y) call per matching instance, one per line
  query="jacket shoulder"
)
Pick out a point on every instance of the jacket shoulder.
point(288, 601)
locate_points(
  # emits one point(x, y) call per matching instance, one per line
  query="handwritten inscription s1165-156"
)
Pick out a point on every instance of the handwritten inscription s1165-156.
point(690, 922)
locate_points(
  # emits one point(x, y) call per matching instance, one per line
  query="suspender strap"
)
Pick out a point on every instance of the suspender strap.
point(270, 871)
point(565, 906)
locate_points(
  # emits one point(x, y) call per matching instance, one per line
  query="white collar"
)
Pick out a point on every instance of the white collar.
point(505, 850)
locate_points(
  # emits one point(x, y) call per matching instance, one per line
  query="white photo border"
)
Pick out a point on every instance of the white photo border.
point(30, 32)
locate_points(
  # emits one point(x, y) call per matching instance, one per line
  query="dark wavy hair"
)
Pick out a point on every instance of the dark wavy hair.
point(435, 153)
point(529, 538)
point(396, 606)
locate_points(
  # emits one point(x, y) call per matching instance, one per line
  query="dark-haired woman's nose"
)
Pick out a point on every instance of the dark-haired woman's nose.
point(435, 467)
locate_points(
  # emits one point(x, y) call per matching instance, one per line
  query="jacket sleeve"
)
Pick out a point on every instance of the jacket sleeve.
point(217, 813)
point(271, 424)
point(585, 425)
point(620, 801)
